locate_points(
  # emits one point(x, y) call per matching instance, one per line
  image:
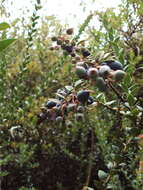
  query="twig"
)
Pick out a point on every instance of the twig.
point(118, 95)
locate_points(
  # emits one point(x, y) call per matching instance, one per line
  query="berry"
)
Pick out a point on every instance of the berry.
point(59, 119)
point(59, 42)
point(54, 39)
point(104, 71)
point(92, 73)
point(83, 96)
point(81, 72)
point(80, 109)
point(63, 46)
point(67, 41)
point(69, 31)
point(118, 75)
point(77, 58)
point(50, 104)
point(114, 65)
point(73, 54)
point(69, 48)
point(79, 117)
point(85, 53)
point(51, 48)
point(101, 84)
point(90, 100)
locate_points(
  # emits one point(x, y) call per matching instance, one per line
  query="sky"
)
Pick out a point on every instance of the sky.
point(67, 11)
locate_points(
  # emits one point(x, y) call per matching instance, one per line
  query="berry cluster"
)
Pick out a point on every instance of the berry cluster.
point(59, 110)
point(86, 66)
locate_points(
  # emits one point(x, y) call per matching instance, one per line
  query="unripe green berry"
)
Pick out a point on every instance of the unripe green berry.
point(100, 83)
point(118, 75)
point(81, 72)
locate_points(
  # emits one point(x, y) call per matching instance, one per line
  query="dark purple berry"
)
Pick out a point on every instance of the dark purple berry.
point(69, 31)
point(50, 104)
point(90, 100)
point(83, 96)
point(69, 48)
point(85, 53)
point(114, 65)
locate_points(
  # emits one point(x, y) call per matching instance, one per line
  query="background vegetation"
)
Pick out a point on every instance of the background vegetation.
point(102, 152)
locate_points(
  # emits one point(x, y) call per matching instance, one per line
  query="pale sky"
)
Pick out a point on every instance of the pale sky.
point(67, 11)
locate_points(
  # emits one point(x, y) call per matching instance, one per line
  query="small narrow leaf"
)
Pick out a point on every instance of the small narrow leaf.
point(77, 83)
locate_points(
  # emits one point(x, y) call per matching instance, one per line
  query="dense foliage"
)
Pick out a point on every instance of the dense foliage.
point(72, 103)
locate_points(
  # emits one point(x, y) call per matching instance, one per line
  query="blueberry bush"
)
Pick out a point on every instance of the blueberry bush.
point(72, 102)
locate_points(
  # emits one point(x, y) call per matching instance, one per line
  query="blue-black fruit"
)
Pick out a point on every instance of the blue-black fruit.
point(50, 104)
point(90, 100)
point(69, 48)
point(114, 65)
point(83, 96)
point(85, 53)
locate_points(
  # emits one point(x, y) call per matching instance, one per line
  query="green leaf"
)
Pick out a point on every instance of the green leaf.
point(77, 83)
point(4, 26)
point(131, 99)
point(5, 43)
point(4, 173)
point(102, 175)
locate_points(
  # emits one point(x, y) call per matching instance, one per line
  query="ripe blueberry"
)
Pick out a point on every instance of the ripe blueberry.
point(69, 48)
point(83, 96)
point(50, 104)
point(114, 65)
point(90, 100)
point(85, 53)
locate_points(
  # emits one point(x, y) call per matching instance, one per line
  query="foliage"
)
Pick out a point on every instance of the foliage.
point(96, 140)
